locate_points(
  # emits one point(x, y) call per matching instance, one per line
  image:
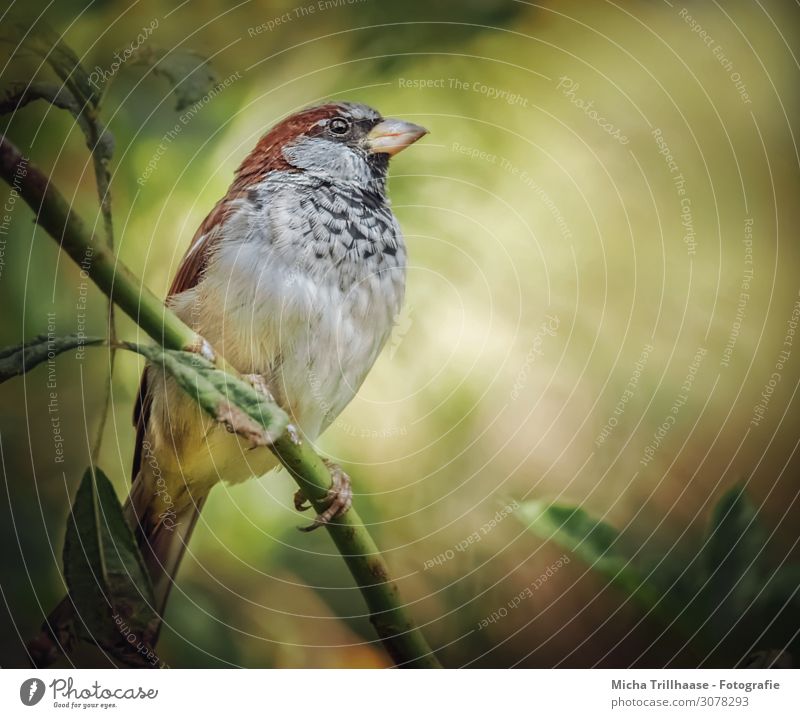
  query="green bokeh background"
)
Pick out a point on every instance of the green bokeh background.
point(516, 213)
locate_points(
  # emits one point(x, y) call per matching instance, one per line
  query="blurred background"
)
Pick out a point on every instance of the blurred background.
point(606, 206)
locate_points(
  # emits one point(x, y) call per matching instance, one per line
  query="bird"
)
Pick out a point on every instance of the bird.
point(296, 277)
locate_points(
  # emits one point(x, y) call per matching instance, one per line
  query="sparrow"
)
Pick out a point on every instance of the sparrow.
point(295, 277)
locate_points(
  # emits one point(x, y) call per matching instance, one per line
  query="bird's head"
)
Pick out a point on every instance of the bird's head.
point(342, 141)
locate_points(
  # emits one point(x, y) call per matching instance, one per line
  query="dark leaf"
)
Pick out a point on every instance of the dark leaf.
point(226, 398)
point(104, 570)
point(733, 557)
point(776, 612)
point(188, 72)
point(16, 360)
point(572, 528)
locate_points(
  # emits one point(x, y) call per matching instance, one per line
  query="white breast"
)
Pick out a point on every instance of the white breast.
point(271, 308)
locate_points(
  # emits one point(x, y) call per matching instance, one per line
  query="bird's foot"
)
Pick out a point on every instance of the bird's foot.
point(337, 502)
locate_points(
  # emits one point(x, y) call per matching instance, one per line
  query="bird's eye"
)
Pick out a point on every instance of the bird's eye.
point(339, 126)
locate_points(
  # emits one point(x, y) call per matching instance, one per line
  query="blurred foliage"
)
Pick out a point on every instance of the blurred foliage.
point(545, 257)
point(728, 601)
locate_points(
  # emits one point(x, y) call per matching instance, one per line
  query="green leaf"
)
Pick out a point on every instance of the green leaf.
point(596, 542)
point(187, 71)
point(225, 397)
point(16, 360)
point(599, 545)
point(47, 43)
point(733, 556)
point(104, 569)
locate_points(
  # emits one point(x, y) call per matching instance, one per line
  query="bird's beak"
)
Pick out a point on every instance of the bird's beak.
point(390, 136)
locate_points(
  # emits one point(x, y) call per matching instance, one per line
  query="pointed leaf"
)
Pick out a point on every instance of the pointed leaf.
point(733, 556)
point(227, 398)
point(595, 542)
point(16, 360)
point(103, 567)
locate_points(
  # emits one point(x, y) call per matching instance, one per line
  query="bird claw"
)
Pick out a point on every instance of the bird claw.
point(300, 501)
point(338, 500)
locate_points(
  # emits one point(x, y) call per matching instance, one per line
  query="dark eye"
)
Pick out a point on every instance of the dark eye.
point(339, 126)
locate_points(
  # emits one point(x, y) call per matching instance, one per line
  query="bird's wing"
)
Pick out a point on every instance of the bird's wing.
point(189, 274)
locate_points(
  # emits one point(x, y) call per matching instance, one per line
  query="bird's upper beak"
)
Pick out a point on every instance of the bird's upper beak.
point(390, 136)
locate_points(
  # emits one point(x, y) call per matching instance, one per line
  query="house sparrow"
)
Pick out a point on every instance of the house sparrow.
point(295, 277)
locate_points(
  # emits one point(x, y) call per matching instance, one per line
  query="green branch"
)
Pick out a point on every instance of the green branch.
point(403, 641)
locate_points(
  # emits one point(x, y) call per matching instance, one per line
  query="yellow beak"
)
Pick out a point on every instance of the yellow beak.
point(391, 136)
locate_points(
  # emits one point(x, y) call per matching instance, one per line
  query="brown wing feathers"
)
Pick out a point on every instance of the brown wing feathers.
point(188, 275)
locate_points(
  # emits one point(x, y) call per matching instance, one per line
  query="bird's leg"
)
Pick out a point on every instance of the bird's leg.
point(338, 501)
point(340, 496)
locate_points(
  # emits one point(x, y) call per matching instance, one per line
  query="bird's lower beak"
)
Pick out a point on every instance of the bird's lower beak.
point(390, 136)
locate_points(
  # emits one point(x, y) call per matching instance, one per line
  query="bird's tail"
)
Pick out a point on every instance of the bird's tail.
point(162, 530)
